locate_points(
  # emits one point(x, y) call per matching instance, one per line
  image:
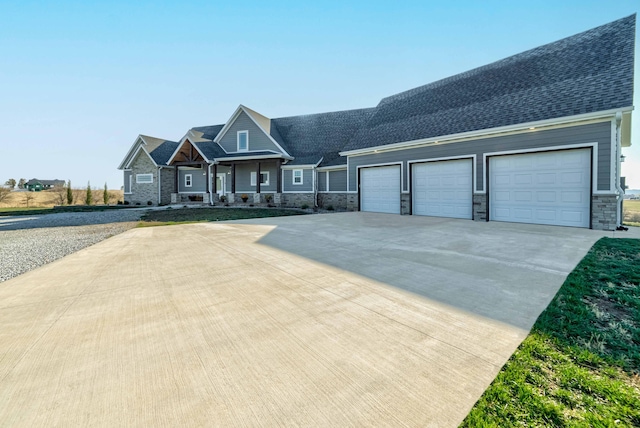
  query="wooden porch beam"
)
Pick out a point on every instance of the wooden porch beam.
point(258, 177)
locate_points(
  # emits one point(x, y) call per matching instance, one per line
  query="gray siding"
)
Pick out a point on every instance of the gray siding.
point(307, 181)
point(599, 133)
point(198, 180)
point(127, 187)
point(243, 178)
point(322, 181)
point(258, 140)
point(338, 180)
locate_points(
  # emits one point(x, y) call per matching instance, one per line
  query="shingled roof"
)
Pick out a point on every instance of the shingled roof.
point(589, 72)
point(313, 137)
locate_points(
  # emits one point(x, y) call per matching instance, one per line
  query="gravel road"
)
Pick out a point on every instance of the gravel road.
point(27, 242)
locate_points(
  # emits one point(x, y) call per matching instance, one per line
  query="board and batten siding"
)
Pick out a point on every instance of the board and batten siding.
point(599, 133)
point(307, 181)
point(258, 140)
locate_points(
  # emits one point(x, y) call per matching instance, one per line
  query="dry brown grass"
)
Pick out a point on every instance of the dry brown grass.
point(631, 209)
point(53, 197)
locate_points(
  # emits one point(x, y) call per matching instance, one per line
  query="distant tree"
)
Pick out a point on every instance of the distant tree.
point(11, 183)
point(89, 197)
point(21, 183)
point(28, 197)
point(4, 193)
point(105, 195)
point(69, 193)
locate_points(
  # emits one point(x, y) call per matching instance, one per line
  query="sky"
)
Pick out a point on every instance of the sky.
point(80, 80)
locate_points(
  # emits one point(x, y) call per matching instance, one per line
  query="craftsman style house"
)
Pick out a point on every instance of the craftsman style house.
point(533, 138)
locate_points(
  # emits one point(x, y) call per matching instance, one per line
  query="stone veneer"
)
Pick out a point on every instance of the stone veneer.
point(480, 207)
point(167, 183)
point(297, 200)
point(339, 201)
point(405, 203)
point(604, 212)
point(142, 193)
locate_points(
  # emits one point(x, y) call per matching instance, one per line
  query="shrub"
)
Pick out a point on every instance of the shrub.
point(89, 197)
point(126, 202)
point(304, 206)
point(330, 208)
point(69, 193)
point(149, 203)
point(223, 198)
point(105, 195)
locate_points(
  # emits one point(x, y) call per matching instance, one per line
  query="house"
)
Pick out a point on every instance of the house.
point(533, 138)
point(36, 185)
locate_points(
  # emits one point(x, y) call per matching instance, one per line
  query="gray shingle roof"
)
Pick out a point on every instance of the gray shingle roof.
point(589, 72)
point(163, 152)
point(210, 149)
point(311, 137)
point(209, 132)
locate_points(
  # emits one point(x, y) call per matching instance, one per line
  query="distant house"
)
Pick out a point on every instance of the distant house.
point(533, 138)
point(36, 185)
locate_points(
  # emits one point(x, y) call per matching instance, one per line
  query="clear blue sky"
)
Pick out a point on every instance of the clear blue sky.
point(80, 80)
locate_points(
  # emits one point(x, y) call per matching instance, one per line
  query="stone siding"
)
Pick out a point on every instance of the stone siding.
point(480, 207)
point(142, 193)
point(405, 203)
point(338, 201)
point(297, 200)
point(604, 212)
point(352, 202)
point(167, 183)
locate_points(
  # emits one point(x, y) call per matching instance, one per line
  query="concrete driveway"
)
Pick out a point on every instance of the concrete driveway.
point(324, 320)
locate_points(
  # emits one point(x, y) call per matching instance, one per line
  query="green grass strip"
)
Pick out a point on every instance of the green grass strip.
point(579, 365)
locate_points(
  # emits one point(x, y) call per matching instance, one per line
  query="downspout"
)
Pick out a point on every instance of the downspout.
point(159, 187)
point(315, 187)
point(620, 191)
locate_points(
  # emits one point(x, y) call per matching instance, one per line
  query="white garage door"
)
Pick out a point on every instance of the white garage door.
point(543, 188)
point(443, 189)
point(380, 189)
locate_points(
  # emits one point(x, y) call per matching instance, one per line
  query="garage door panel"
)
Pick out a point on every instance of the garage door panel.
point(559, 194)
point(380, 189)
point(447, 190)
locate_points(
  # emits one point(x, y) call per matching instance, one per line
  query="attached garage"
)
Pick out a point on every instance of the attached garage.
point(380, 189)
point(551, 188)
point(443, 188)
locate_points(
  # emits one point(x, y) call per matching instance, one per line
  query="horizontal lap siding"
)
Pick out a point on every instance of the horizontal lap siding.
point(338, 180)
point(198, 180)
point(243, 178)
point(307, 181)
point(593, 133)
point(322, 181)
point(258, 140)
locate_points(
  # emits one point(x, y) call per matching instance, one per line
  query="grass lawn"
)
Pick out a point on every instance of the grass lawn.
point(580, 364)
point(631, 210)
point(193, 215)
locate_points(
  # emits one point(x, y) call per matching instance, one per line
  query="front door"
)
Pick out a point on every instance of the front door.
point(221, 183)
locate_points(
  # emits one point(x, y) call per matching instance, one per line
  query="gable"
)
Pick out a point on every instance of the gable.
point(186, 153)
point(258, 140)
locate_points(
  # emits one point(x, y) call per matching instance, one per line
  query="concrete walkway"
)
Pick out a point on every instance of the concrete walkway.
point(326, 320)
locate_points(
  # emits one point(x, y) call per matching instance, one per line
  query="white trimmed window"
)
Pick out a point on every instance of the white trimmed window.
point(243, 141)
point(144, 178)
point(188, 180)
point(264, 178)
point(297, 176)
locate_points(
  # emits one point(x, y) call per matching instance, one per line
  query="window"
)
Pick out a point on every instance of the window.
point(264, 178)
point(297, 176)
point(144, 178)
point(243, 141)
point(188, 180)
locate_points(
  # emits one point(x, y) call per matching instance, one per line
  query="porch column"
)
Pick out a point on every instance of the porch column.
point(279, 176)
point(205, 167)
point(214, 184)
point(175, 179)
point(233, 177)
point(258, 178)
